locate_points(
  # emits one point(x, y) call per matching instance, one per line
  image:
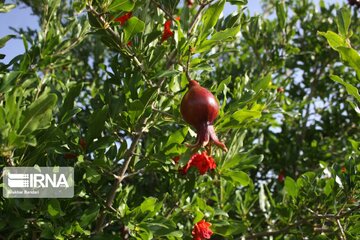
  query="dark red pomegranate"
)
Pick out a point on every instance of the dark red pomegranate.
point(199, 108)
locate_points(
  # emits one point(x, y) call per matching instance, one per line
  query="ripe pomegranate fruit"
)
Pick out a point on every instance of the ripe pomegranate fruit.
point(199, 108)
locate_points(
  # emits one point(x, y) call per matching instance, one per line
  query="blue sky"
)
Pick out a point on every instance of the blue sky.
point(21, 17)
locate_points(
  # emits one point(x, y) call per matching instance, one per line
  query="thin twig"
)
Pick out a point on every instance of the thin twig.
point(342, 236)
point(168, 14)
point(286, 229)
point(123, 47)
point(128, 156)
point(111, 195)
point(187, 69)
point(162, 112)
point(197, 17)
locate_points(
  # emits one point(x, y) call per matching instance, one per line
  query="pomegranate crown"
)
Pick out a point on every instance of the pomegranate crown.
point(193, 83)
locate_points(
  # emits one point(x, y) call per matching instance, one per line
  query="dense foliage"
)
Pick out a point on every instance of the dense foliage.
point(99, 88)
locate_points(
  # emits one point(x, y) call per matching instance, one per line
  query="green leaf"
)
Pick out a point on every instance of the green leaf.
point(352, 90)
point(157, 55)
point(228, 229)
point(238, 2)
point(3, 40)
point(92, 175)
point(136, 108)
point(54, 208)
point(328, 189)
point(243, 114)
point(355, 145)
point(217, 38)
point(351, 57)
point(162, 227)
point(239, 177)
point(263, 83)
point(210, 17)
point(281, 14)
point(133, 26)
point(6, 8)
point(148, 204)
point(291, 187)
point(343, 21)
point(9, 81)
point(254, 27)
point(89, 215)
point(242, 161)
point(97, 123)
point(348, 55)
point(225, 34)
point(167, 73)
point(121, 5)
point(69, 100)
point(38, 115)
point(177, 137)
point(333, 39)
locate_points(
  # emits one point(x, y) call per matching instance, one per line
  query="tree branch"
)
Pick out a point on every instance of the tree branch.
point(168, 14)
point(123, 47)
point(286, 229)
point(128, 156)
point(197, 17)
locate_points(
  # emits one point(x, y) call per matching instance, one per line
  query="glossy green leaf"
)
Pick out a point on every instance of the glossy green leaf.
point(54, 208)
point(4, 8)
point(39, 114)
point(242, 161)
point(121, 5)
point(3, 40)
point(333, 39)
point(328, 189)
point(243, 114)
point(238, 177)
point(210, 18)
point(352, 90)
point(92, 176)
point(133, 26)
point(281, 14)
point(97, 123)
point(343, 21)
point(263, 83)
point(238, 2)
point(217, 38)
point(89, 215)
point(177, 137)
point(351, 57)
point(69, 100)
point(148, 204)
point(291, 187)
point(9, 81)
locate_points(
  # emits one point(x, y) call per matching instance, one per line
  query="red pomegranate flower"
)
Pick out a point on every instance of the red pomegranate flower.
point(167, 31)
point(202, 162)
point(122, 19)
point(343, 169)
point(201, 230)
